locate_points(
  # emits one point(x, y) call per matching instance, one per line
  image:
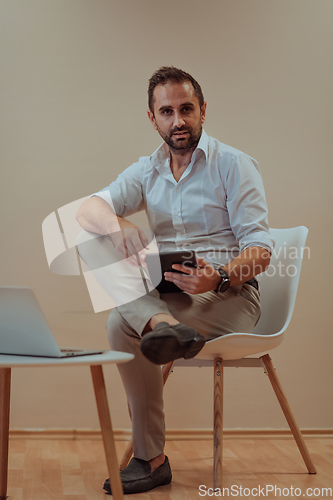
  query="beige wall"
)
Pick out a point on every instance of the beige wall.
point(74, 77)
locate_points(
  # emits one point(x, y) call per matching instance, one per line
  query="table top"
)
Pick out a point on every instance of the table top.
point(9, 360)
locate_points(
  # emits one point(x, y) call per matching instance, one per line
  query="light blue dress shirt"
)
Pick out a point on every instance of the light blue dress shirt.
point(218, 206)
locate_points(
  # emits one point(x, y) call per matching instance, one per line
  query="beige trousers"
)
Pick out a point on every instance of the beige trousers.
point(213, 315)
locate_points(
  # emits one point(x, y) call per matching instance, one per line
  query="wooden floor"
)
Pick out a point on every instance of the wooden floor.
point(41, 469)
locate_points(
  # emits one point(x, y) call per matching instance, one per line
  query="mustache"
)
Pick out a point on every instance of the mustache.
point(179, 129)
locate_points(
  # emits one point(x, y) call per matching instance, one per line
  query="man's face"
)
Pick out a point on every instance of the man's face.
point(177, 116)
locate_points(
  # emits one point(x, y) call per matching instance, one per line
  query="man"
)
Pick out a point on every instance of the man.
point(198, 194)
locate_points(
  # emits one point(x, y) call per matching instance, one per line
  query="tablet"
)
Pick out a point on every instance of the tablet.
point(166, 260)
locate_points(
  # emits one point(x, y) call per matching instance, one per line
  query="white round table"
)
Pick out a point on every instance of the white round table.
point(95, 361)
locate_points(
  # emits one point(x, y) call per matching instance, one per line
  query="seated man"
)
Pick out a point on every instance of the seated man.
point(198, 194)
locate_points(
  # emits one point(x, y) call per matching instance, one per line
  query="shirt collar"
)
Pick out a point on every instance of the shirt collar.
point(161, 155)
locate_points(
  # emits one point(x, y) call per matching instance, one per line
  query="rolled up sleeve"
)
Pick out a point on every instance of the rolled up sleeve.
point(246, 203)
point(125, 195)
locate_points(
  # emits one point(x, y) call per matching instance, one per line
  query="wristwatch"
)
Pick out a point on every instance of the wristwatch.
point(224, 282)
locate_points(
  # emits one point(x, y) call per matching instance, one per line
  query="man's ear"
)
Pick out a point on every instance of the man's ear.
point(152, 118)
point(203, 112)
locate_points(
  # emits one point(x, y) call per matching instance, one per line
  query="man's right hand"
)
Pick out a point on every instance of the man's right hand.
point(130, 242)
point(95, 215)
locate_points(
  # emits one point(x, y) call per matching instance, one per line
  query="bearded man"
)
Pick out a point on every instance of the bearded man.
point(199, 194)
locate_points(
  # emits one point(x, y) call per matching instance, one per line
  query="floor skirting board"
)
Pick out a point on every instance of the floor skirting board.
point(171, 434)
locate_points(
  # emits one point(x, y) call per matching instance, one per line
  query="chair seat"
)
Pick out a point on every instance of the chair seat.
point(239, 345)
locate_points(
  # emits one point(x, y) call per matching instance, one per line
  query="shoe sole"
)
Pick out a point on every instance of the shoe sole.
point(164, 348)
point(126, 492)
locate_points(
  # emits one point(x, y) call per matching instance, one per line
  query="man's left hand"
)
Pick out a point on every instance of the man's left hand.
point(200, 279)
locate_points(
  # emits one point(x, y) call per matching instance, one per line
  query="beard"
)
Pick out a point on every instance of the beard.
point(182, 145)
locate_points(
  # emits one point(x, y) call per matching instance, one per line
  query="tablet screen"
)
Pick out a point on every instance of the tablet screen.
point(167, 259)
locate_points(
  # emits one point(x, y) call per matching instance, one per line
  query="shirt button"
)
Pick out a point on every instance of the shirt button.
point(177, 189)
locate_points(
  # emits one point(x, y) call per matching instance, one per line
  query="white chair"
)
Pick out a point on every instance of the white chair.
point(278, 289)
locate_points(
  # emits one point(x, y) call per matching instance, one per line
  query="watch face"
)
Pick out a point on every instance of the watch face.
point(225, 281)
point(224, 284)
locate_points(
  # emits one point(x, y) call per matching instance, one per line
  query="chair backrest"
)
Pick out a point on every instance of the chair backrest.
point(279, 283)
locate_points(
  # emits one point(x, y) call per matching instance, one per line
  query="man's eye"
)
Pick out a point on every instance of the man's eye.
point(166, 111)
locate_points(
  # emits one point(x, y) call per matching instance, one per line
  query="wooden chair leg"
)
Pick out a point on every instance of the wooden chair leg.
point(107, 431)
point(127, 455)
point(5, 374)
point(280, 394)
point(218, 421)
point(166, 370)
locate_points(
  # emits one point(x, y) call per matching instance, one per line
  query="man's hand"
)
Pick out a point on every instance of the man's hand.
point(130, 242)
point(203, 278)
point(252, 261)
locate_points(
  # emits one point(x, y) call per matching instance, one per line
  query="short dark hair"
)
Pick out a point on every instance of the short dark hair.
point(171, 74)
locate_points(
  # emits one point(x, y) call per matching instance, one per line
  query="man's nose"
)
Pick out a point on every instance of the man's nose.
point(178, 120)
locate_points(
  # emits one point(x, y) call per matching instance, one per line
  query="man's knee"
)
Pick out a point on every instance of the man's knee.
point(85, 244)
point(96, 250)
point(120, 334)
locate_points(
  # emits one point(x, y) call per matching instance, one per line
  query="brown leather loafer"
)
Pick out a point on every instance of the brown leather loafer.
point(169, 342)
point(137, 477)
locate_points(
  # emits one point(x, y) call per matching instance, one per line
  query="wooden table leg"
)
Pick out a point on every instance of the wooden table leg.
point(218, 421)
point(5, 374)
point(107, 431)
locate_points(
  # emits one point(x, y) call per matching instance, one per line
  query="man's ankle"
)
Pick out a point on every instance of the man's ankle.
point(156, 462)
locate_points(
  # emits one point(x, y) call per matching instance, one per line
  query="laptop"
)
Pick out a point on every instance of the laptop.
point(24, 330)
